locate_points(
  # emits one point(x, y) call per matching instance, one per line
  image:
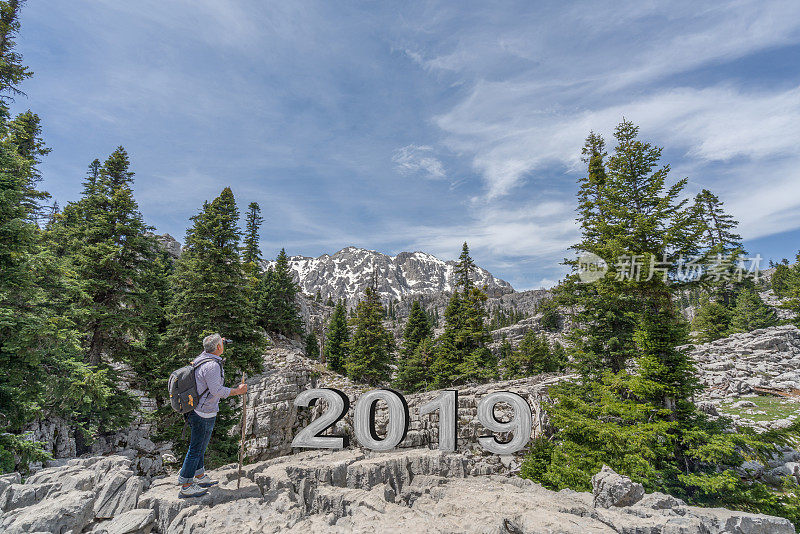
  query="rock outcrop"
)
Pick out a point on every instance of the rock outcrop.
point(273, 421)
point(766, 358)
point(72, 497)
point(170, 245)
point(133, 441)
point(612, 489)
point(360, 492)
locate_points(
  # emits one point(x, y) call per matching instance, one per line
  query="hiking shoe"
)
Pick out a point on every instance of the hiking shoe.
point(192, 490)
point(205, 481)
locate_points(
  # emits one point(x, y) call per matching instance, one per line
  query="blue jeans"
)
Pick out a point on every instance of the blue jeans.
point(194, 463)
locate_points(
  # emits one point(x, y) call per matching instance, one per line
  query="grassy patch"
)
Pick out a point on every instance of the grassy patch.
point(774, 408)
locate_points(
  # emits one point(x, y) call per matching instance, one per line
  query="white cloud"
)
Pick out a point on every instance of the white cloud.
point(717, 123)
point(415, 159)
point(745, 130)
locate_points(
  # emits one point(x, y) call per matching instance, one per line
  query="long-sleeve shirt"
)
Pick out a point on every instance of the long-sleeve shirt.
point(210, 375)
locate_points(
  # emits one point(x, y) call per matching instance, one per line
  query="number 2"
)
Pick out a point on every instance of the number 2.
point(311, 436)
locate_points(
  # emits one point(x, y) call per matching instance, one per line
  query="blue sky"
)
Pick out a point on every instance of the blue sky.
point(416, 126)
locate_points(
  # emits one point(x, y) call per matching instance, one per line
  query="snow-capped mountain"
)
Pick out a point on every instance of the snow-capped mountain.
point(348, 272)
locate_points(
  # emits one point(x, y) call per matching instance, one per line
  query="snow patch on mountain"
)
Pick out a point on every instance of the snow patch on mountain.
point(348, 272)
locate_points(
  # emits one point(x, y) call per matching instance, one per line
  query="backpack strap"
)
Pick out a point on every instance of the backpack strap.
point(195, 366)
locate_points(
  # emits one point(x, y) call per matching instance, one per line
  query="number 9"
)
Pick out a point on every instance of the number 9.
point(521, 424)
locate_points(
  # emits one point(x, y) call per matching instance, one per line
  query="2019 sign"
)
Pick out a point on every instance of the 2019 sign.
point(312, 436)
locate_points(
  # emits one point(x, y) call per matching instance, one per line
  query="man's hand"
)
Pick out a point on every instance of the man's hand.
point(241, 389)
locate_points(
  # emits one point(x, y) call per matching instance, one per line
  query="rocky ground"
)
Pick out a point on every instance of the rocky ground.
point(739, 370)
point(120, 486)
point(417, 490)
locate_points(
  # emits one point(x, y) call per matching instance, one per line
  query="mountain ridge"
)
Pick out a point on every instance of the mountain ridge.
point(347, 272)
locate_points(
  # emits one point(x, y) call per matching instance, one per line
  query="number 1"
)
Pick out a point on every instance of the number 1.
point(447, 404)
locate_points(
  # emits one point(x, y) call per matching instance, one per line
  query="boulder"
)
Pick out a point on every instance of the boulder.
point(660, 501)
point(21, 495)
point(7, 480)
point(139, 521)
point(66, 513)
point(357, 491)
point(119, 493)
point(612, 489)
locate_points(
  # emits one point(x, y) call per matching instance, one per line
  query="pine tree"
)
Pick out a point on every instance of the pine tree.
point(627, 214)
point(158, 283)
point(551, 317)
point(253, 220)
point(603, 338)
point(533, 356)
point(414, 373)
point(719, 240)
point(112, 254)
point(211, 289)
point(12, 71)
point(318, 296)
point(648, 219)
point(337, 340)
point(793, 305)
point(42, 366)
point(718, 227)
point(642, 424)
point(92, 178)
point(105, 246)
point(465, 269)
point(25, 330)
point(711, 321)
point(330, 302)
point(559, 355)
point(462, 354)
point(506, 359)
point(750, 313)
point(211, 295)
point(312, 346)
point(372, 344)
point(417, 329)
point(277, 308)
point(781, 280)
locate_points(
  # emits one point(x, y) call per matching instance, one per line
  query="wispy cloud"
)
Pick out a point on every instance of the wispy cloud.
point(312, 109)
point(414, 159)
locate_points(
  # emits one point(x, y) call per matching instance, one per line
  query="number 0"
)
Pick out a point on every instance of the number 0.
point(364, 420)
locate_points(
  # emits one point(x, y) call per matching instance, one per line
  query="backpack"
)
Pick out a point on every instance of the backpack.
point(182, 386)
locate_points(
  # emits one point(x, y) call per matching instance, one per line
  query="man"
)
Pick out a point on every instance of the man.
point(209, 376)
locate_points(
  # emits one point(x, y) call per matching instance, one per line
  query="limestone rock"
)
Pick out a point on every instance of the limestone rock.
point(7, 480)
point(163, 499)
point(612, 489)
point(428, 491)
point(660, 501)
point(22, 495)
point(119, 493)
point(408, 490)
point(273, 421)
point(170, 245)
point(139, 521)
point(67, 513)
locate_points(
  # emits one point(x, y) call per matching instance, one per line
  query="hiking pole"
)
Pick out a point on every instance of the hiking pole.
point(241, 440)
